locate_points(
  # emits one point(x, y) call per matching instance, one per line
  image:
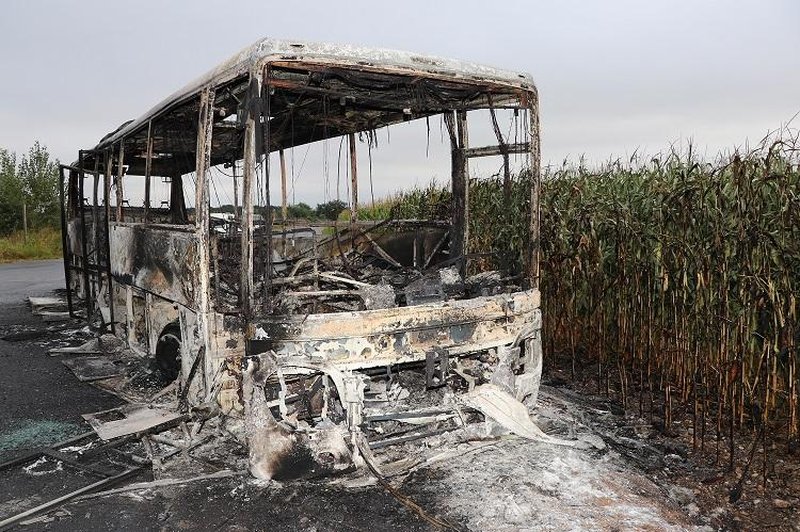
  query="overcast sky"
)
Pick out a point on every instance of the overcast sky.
point(613, 76)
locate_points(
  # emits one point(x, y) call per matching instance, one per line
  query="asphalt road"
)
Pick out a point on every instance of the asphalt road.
point(19, 280)
point(41, 402)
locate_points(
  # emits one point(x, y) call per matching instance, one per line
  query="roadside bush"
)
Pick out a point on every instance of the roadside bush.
point(44, 243)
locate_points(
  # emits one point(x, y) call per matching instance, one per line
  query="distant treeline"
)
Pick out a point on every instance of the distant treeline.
point(328, 210)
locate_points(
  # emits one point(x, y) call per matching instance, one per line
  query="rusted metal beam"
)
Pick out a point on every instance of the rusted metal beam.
point(84, 247)
point(205, 125)
point(28, 456)
point(109, 160)
point(96, 228)
point(534, 164)
point(435, 250)
point(64, 240)
point(459, 140)
point(321, 293)
point(388, 74)
point(380, 251)
point(148, 170)
point(246, 286)
point(266, 112)
point(120, 172)
point(284, 199)
point(96, 213)
point(203, 163)
point(503, 145)
point(237, 214)
point(69, 496)
point(351, 138)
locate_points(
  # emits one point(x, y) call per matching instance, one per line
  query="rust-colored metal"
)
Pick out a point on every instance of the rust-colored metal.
point(205, 127)
point(534, 165)
point(85, 266)
point(148, 171)
point(108, 157)
point(118, 183)
point(247, 284)
point(351, 143)
point(284, 188)
point(459, 141)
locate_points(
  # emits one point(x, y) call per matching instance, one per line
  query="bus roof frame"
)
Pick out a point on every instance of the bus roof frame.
point(258, 55)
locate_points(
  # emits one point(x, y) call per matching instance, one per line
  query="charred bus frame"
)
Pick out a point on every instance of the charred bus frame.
point(152, 274)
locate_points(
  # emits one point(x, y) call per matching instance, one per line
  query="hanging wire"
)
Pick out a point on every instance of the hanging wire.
point(428, 136)
point(300, 172)
point(214, 186)
point(225, 190)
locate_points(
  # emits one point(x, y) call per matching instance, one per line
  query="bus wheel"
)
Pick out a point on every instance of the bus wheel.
point(168, 352)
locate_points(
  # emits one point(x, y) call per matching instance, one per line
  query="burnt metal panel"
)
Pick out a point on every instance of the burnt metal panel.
point(356, 340)
point(160, 260)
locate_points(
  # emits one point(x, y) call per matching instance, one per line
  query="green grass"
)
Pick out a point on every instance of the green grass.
point(43, 243)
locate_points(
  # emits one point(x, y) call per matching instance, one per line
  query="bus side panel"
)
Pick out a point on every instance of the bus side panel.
point(158, 260)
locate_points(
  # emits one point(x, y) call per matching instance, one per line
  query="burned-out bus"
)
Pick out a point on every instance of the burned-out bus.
point(300, 330)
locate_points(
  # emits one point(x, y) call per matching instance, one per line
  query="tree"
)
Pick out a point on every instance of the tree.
point(330, 210)
point(33, 181)
point(11, 193)
point(301, 210)
point(39, 177)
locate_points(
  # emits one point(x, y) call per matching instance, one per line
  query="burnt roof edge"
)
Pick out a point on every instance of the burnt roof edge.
point(257, 55)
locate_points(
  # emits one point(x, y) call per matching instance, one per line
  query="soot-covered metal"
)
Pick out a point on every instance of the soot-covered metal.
point(321, 343)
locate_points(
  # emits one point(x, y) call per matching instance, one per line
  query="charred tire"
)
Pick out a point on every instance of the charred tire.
point(168, 352)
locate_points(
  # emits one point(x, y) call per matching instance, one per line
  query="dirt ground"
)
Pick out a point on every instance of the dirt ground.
point(636, 480)
point(752, 495)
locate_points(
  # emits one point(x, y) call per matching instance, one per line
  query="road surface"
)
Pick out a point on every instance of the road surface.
point(40, 401)
point(20, 280)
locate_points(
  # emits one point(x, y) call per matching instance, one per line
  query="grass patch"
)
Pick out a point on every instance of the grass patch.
point(43, 243)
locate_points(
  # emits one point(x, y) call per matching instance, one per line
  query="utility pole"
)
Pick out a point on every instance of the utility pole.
point(25, 220)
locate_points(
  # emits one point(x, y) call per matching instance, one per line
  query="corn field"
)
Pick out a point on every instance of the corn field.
point(673, 280)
